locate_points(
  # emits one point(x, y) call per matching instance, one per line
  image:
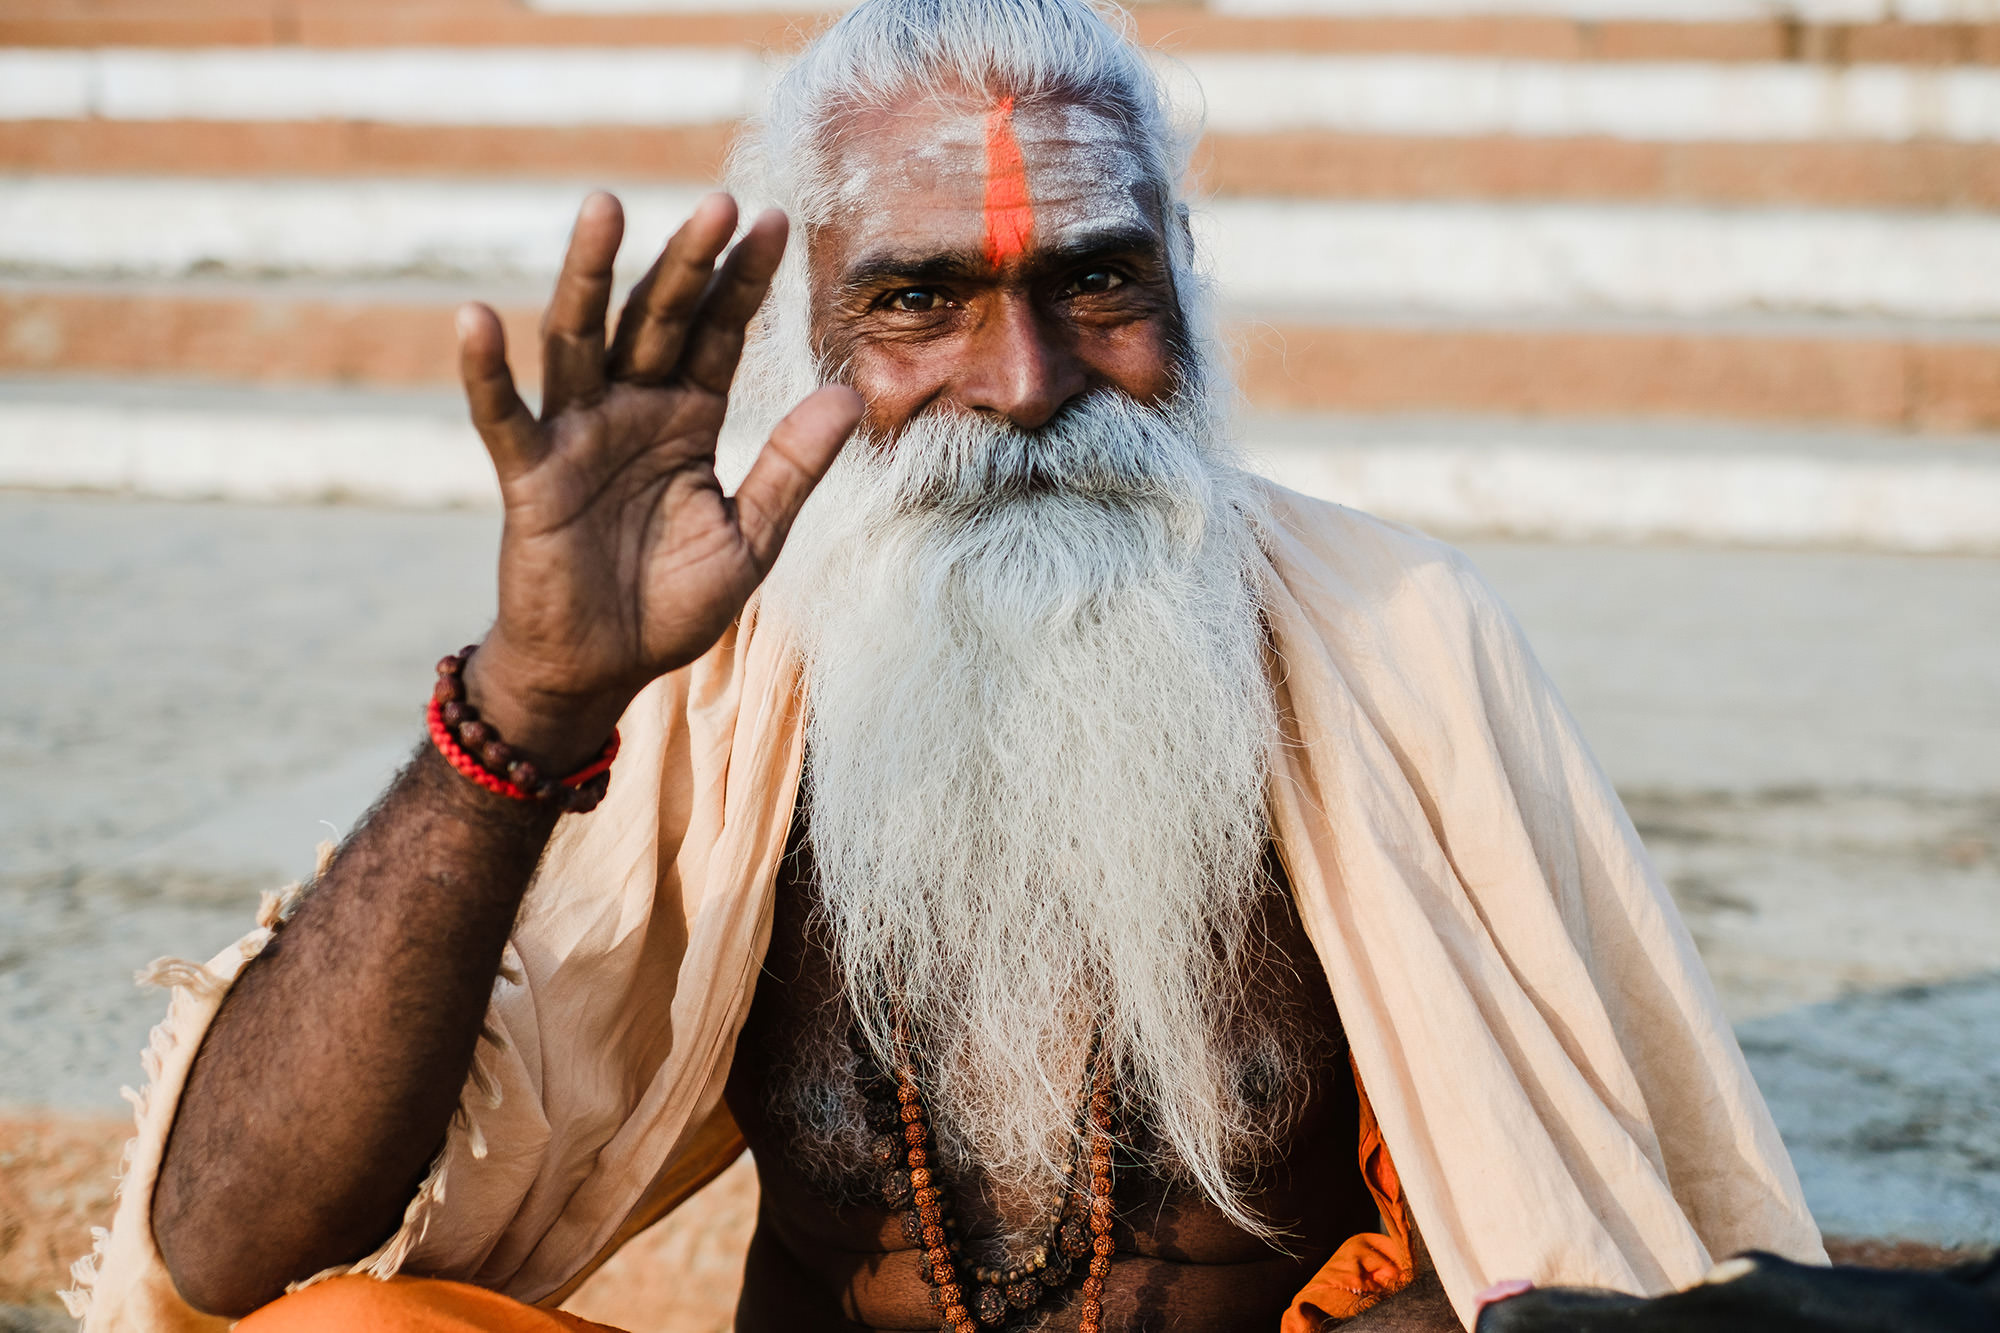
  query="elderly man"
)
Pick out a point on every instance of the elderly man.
point(1103, 890)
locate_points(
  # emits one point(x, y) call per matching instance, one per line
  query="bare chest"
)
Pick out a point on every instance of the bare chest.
point(830, 1251)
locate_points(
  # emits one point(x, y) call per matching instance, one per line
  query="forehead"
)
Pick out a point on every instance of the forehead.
point(926, 175)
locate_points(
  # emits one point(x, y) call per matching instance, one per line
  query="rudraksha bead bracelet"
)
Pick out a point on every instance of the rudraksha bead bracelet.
point(472, 746)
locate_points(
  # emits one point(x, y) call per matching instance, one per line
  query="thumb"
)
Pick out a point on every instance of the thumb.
point(789, 465)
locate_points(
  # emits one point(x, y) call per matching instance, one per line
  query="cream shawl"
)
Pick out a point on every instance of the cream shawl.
point(1546, 1057)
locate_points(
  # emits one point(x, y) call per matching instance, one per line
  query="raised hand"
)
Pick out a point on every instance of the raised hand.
point(621, 558)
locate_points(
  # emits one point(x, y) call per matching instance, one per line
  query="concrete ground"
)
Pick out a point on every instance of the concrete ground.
point(192, 695)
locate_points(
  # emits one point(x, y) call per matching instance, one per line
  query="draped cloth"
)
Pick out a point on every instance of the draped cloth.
point(1542, 1051)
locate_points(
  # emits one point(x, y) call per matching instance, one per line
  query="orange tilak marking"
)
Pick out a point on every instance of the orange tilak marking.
point(1010, 219)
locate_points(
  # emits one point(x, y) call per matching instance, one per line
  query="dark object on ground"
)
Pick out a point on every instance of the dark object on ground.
point(1761, 1293)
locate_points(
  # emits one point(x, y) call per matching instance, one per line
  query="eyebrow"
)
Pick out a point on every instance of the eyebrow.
point(885, 268)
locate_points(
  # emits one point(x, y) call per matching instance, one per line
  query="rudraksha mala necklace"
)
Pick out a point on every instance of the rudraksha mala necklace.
point(475, 750)
point(1078, 1229)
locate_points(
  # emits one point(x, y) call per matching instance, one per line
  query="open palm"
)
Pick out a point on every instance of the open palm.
point(621, 558)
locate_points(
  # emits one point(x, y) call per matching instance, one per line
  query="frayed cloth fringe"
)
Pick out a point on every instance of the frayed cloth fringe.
point(193, 986)
point(180, 974)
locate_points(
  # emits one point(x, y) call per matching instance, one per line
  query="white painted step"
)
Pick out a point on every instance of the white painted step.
point(1627, 481)
point(1558, 259)
point(1649, 101)
point(1369, 94)
point(403, 85)
point(1608, 481)
point(1440, 258)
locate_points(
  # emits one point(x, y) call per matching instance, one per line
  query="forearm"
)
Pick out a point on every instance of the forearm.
point(327, 1081)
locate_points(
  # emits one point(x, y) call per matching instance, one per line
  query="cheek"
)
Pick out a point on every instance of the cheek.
point(1137, 359)
point(898, 380)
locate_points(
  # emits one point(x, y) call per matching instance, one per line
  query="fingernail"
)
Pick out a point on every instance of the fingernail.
point(1500, 1291)
point(465, 320)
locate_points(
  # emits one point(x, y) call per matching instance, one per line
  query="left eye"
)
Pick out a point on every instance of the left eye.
point(1096, 281)
point(914, 300)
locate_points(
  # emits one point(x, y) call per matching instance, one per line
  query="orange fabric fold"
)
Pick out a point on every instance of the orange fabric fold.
point(1367, 1266)
point(407, 1305)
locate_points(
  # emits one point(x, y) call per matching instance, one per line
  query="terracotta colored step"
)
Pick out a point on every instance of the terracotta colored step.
point(85, 23)
point(1926, 175)
point(239, 337)
point(497, 22)
point(330, 147)
point(58, 1175)
point(1878, 381)
point(1297, 164)
point(1874, 379)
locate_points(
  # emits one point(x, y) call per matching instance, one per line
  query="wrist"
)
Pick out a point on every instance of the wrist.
point(476, 804)
point(561, 732)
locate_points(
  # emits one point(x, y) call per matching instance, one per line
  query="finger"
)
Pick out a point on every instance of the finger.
point(653, 327)
point(573, 326)
point(1501, 1291)
point(715, 343)
point(790, 464)
point(503, 421)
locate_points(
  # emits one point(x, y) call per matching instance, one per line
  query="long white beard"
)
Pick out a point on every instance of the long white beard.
point(1039, 733)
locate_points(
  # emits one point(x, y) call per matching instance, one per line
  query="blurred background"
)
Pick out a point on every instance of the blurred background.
point(1682, 315)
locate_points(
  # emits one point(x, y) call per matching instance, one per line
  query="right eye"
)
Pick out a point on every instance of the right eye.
point(914, 300)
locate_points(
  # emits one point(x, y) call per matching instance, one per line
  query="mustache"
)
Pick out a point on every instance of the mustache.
point(1105, 447)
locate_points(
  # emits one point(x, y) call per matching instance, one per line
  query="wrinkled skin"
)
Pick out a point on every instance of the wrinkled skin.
point(908, 300)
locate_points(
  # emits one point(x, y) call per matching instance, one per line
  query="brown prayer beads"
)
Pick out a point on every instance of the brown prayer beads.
point(474, 749)
point(1079, 1227)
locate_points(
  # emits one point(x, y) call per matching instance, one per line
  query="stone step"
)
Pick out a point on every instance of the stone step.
point(1500, 261)
point(389, 335)
point(1837, 32)
point(1610, 480)
point(696, 84)
point(1278, 164)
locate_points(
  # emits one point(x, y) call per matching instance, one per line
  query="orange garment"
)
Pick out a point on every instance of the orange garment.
point(1369, 1265)
point(408, 1305)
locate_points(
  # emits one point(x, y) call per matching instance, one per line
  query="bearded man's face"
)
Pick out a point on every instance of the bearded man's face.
point(994, 260)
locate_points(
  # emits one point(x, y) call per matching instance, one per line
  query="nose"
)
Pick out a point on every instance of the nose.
point(1019, 368)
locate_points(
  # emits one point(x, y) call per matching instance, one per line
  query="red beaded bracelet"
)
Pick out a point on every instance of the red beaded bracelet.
point(475, 749)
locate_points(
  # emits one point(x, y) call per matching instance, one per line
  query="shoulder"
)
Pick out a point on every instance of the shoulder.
point(1335, 558)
